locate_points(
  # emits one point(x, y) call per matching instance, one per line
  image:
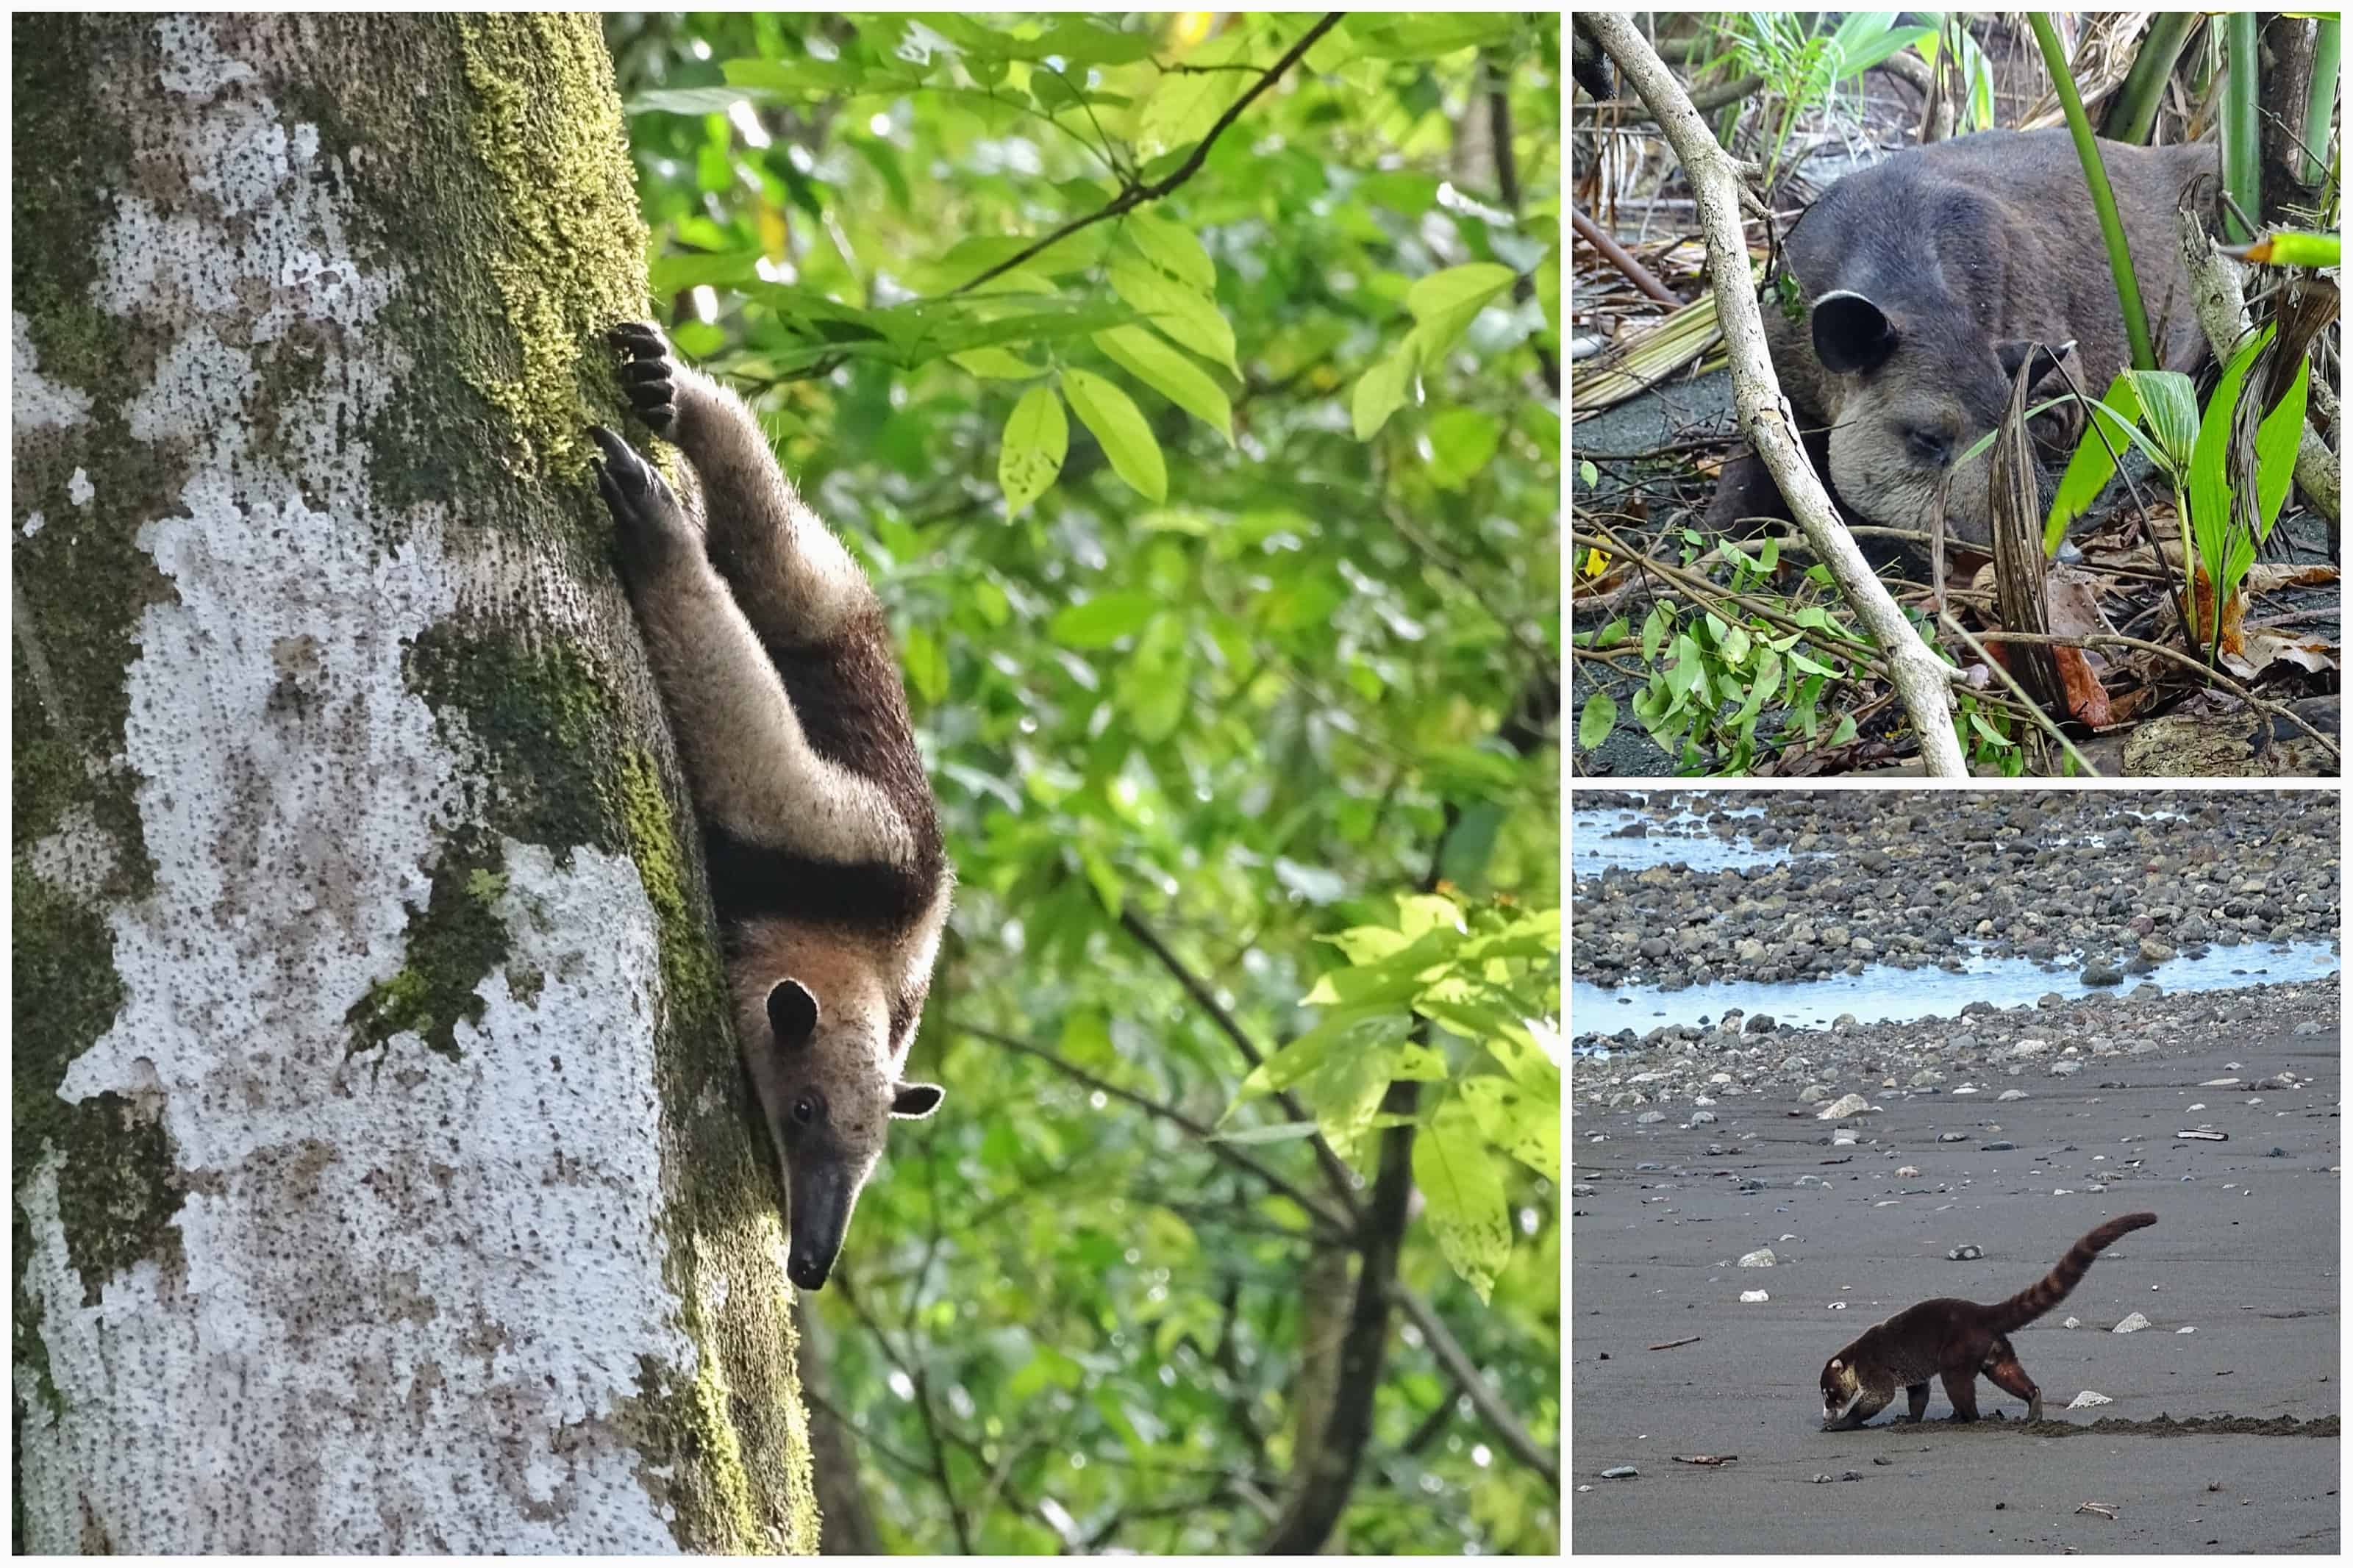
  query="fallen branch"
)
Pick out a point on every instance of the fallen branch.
point(1918, 674)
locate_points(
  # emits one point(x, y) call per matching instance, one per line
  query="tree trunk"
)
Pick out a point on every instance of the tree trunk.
point(382, 1172)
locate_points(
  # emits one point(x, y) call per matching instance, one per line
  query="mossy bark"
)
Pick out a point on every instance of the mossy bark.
point(382, 1175)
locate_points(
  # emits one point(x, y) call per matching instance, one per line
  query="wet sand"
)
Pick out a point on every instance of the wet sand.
point(2246, 1250)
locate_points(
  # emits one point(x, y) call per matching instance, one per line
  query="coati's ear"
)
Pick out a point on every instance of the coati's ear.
point(1836, 1363)
point(2012, 353)
point(916, 1100)
point(1850, 334)
point(792, 1013)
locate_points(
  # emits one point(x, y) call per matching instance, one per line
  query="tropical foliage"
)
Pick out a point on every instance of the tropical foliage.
point(1189, 386)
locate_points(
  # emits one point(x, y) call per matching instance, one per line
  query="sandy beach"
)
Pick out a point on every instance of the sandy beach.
point(2224, 1440)
point(1726, 1099)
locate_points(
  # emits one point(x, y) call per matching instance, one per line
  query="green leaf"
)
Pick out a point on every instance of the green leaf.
point(1184, 104)
point(1149, 358)
point(1382, 391)
point(684, 101)
point(1461, 442)
point(1463, 1191)
point(1084, 41)
point(997, 364)
point(1444, 303)
point(1120, 425)
point(926, 663)
point(680, 270)
point(2275, 444)
point(1101, 620)
point(1186, 315)
point(1037, 439)
point(1174, 248)
point(1517, 1121)
point(1597, 719)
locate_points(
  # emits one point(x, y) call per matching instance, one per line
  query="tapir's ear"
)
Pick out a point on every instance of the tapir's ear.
point(916, 1100)
point(2012, 353)
point(1851, 334)
point(792, 1013)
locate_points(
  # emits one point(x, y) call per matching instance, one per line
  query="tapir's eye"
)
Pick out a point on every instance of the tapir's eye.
point(803, 1110)
point(1928, 445)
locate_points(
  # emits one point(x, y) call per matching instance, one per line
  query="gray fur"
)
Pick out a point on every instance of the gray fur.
point(1960, 247)
point(819, 825)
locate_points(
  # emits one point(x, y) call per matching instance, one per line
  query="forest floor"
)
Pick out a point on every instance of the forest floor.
point(2224, 1440)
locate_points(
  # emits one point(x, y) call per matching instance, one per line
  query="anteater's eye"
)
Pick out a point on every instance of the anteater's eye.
point(805, 1110)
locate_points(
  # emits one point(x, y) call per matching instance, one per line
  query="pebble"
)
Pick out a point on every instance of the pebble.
point(2088, 1398)
point(2131, 1325)
point(1998, 1145)
point(2011, 1094)
point(1755, 1296)
point(1761, 1258)
point(1619, 1473)
point(1844, 1105)
point(1650, 1117)
point(1965, 1251)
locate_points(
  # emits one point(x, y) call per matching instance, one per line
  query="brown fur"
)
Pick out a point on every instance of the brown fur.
point(1954, 1341)
point(1963, 246)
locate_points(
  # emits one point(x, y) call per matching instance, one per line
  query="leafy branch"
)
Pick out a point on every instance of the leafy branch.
point(1133, 195)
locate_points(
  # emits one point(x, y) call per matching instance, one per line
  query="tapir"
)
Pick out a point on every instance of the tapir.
point(1922, 284)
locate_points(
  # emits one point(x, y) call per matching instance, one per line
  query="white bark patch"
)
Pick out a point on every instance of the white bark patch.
point(415, 1288)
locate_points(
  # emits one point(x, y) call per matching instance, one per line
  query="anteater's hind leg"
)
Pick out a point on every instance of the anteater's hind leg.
point(1961, 1388)
point(2001, 1366)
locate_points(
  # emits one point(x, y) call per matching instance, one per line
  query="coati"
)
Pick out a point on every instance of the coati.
point(1955, 1340)
point(821, 833)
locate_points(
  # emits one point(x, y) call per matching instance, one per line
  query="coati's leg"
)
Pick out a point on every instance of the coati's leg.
point(2001, 1366)
point(747, 754)
point(1961, 1388)
point(796, 581)
point(1918, 1395)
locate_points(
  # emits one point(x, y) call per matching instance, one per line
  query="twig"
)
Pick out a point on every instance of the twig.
point(1341, 1180)
point(2205, 671)
point(1484, 1398)
point(1134, 197)
point(1670, 1345)
point(1618, 256)
point(1334, 1225)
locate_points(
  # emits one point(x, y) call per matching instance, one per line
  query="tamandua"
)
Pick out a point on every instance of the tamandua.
point(819, 823)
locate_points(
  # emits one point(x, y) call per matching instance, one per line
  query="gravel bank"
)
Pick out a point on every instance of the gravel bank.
point(2073, 878)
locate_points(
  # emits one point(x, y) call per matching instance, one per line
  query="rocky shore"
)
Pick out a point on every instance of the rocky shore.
point(2085, 881)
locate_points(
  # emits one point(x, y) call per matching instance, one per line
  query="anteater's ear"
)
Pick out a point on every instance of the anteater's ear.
point(1852, 335)
point(916, 1100)
point(792, 1013)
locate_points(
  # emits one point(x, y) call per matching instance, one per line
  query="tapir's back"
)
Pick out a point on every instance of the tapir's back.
point(1997, 226)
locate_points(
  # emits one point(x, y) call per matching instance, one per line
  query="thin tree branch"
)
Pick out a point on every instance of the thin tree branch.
point(1336, 1225)
point(1342, 1181)
point(1484, 1399)
point(1134, 197)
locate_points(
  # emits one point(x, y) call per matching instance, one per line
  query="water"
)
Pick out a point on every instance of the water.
point(1684, 839)
point(1882, 992)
